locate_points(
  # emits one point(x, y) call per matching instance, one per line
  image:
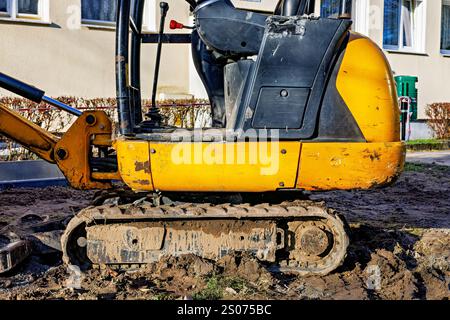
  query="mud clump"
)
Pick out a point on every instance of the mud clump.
point(244, 266)
point(346, 286)
point(389, 277)
point(183, 266)
point(433, 256)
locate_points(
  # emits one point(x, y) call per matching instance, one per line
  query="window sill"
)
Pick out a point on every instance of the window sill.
point(26, 21)
point(111, 27)
point(98, 26)
point(415, 53)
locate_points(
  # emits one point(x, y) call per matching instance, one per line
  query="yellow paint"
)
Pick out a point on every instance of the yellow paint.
point(217, 167)
point(77, 143)
point(328, 166)
point(366, 84)
point(322, 166)
point(133, 158)
point(28, 134)
point(241, 166)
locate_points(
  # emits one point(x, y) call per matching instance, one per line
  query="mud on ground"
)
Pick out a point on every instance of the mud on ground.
point(400, 249)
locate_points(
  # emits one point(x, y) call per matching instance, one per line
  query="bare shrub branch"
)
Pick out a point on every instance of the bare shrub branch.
point(186, 113)
point(439, 119)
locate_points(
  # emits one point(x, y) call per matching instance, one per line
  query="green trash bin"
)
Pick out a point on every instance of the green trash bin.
point(406, 87)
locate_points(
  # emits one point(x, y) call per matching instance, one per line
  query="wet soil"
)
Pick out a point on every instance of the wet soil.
point(400, 249)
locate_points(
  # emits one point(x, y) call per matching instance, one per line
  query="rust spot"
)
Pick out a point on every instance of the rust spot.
point(142, 182)
point(335, 161)
point(375, 156)
point(142, 166)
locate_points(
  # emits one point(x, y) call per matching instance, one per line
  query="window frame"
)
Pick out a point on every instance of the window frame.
point(359, 14)
point(445, 52)
point(12, 14)
point(418, 29)
point(342, 7)
point(5, 13)
point(93, 22)
point(148, 25)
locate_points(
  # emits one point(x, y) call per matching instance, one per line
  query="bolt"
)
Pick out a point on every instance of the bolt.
point(153, 151)
point(281, 184)
point(82, 242)
point(284, 93)
point(283, 151)
point(90, 119)
point(61, 153)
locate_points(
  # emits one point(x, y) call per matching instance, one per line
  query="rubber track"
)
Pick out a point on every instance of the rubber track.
point(141, 210)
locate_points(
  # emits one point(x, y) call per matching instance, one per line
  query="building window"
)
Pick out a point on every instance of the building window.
point(29, 10)
point(445, 27)
point(3, 7)
point(103, 13)
point(335, 8)
point(98, 11)
point(404, 25)
point(357, 10)
point(28, 7)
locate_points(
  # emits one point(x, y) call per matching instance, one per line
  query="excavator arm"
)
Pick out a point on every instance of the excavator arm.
point(83, 153)
point(28, 134)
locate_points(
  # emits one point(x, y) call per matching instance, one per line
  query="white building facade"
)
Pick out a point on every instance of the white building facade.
point(67, 46)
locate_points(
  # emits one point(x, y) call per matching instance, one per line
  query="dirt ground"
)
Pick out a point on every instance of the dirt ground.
point(400, 249)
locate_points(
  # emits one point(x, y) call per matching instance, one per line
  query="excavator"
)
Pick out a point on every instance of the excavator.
point(298, 103)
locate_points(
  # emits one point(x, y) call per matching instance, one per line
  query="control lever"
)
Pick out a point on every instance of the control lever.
point(154, 114)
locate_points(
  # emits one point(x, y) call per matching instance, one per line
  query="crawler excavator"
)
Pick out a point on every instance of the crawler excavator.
point(298, 102)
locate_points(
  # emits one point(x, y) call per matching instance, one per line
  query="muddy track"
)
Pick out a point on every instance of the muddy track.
point(399, 249)
point(140, 233)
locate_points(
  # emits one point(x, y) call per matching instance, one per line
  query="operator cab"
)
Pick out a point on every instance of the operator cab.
point(261, 72)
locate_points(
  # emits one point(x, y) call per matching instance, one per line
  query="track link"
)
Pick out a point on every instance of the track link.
point(299, 236)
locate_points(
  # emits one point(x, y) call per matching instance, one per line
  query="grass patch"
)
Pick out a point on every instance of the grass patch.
point(164, 297)
point(419, 167)
point(416, 167)
point(216, 286)
point(417, 232)
point(212, 291)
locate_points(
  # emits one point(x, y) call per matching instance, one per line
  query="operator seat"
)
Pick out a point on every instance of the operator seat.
point(225, 32)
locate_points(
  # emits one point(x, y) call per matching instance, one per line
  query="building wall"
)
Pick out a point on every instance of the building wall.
point(432, 68)
point(80, 61)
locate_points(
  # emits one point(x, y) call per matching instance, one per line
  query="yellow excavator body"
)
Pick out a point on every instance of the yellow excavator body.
point(366, 85)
